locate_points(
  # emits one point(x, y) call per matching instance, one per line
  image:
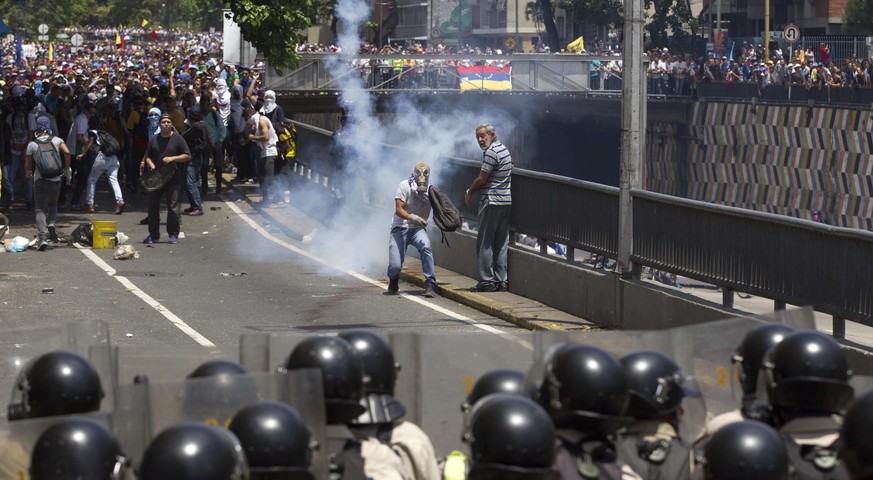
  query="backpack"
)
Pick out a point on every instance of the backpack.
point(48, 159)
point(445, 214)
point(108, 144)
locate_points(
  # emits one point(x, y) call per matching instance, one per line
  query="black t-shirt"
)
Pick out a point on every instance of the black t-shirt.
point(161, 147)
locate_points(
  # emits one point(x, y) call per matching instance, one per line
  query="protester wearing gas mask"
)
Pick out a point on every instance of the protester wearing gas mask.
point(411, 211)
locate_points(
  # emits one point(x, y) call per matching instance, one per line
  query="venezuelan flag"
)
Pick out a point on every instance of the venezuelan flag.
point(485, 77)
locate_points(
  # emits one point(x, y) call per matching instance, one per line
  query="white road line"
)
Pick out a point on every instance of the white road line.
point(457, 316)
point(175, 320)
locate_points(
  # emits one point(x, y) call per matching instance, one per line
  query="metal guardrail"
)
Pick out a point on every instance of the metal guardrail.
point(785, 259)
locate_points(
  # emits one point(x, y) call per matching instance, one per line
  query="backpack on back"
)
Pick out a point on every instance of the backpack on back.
point(108, 144)
point(48, 159)
point(445, 214)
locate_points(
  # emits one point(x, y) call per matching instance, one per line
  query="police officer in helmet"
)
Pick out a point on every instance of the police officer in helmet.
point(807, 377)
point(56, 383)
point(78, 448)
point(383, 418)
point(857, 449)
point(745, 450)
point(276, 442)
point(194, 451)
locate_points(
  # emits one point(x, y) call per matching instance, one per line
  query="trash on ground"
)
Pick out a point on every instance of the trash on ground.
point(128, 335)
point(48, 290)
point(226, 274)
point(181, 235)
point(18, 244)
point(307, 239)
point(125, 252)
point(214, 209)
point(121, 238)
point(205, 233)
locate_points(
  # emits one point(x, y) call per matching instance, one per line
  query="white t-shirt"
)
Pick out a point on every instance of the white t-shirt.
point(417, 203)
point(33, 148)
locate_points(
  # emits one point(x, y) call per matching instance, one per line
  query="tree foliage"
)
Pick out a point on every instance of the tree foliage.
point(858, 16)
point(542, 12)
point(672, 15)
point(597, 12)
point(273, 27)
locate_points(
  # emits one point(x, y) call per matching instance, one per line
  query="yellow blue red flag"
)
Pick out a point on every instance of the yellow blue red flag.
point(485, 77)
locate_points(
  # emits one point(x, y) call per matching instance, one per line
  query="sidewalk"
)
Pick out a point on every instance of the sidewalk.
point(518, 310)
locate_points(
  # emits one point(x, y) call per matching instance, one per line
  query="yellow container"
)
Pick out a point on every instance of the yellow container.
point(104, 235)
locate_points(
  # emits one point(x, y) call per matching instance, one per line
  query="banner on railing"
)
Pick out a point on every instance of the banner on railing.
point(485, 77)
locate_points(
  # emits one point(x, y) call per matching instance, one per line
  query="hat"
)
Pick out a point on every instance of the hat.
point(194, 113)
point(43, 124)
point(166, 115)
point(154, 111)
point(769, 62)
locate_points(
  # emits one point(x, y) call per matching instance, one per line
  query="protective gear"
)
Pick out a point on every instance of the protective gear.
point(214, 368)
point(857, 449)
point(495, 381)
point(750, 353)
point(510, 437)
point(194, 451)
point(77, 448)
point(229, 389)
point(807, 372)
point(67, 175)
point(654, 383)
point(274, 439)
point(422, 176)
point(380, 377)
point(747, 450)
point(342, 374)
point(584, 388)
point(417, 221)
point(56, 383)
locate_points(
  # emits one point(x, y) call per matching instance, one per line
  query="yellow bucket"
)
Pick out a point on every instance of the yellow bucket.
point(104, 235)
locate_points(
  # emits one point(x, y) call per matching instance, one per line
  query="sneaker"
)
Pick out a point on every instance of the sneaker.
point(250, 181)
point(189, 209)
point(42, 246)
point(393, 285)
point(503, 286)
point(53, 234)
point(484, 287)
point(196, 212)
point(144, 221)
point(90, 208)
point(119, 207)
point(150, 240)
point(173, 239)
point(429, 290)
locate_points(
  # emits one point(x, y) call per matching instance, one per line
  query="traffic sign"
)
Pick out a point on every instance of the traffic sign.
point(792, 33)
point(43, 29)
point(42, 38)
point(77, 39)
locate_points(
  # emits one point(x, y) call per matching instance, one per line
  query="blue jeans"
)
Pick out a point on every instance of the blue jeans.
point(10, 171)
point(192, 187)
point(398, 241)
point(492, 243)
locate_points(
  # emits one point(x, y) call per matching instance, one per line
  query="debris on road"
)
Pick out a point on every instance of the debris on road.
point(48, 290)
point(240, 274)
point(121, 238)
point(128, 335)
point(18, 244)
point(215, 209)
point(125, 252)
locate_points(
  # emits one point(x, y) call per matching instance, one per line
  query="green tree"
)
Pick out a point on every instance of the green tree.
point(858, 16)
point(274, 27)
point(543, 12)
point(597, 12)
point(673, 15)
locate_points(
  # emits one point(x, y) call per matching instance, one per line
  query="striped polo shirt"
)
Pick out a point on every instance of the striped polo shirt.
point(498, 163)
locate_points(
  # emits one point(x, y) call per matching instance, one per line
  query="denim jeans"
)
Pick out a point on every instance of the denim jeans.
point(192, 189)
point(492, 243)
point(10, 171)
point(102, 164)
point(399, 239)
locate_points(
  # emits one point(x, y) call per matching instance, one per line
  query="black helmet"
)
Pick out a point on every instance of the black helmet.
point(747, 450)
point(341, 372)
point(857, 449)
point(380, 376)
point(584, 387)
point(751, 351)
point(214, 368)
point(56, 383)
point(808, 372)
point(495, 381)
point(654, 383)
point(194, 451)
point(274, 439)
point(510, 437)
point(76, 448)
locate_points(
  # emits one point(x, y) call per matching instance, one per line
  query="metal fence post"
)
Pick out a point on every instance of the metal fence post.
point(727, 298)
point(839, 326)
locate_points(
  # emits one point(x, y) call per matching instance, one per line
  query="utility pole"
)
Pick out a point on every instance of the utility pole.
point(766, 30)
point(633, 128)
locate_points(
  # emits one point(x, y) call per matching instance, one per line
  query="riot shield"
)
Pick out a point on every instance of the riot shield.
point(90, 339)
point(18, 438)
point(145, 409)
point(165, 364)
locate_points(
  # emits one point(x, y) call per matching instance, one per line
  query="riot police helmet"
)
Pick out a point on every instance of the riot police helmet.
point(218, 387)
point(56, 383)
point(510, 437)
point(342, 374)
point(746, 450)
point(194, 451)
point(380, 377)
point(275, 440)
point(502, 380)
point(217, 367)
point(77, 448)
point(857, 449)
point(751, 351)
point(655, 384)
point(808, 373)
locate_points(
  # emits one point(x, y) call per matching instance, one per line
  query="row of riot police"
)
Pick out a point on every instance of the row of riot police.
point(579, 412)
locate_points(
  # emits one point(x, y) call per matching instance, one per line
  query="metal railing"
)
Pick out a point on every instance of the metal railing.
point(785, 259)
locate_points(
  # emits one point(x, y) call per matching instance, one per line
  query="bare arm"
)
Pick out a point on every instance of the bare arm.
point(400, 209)
point(476, 185)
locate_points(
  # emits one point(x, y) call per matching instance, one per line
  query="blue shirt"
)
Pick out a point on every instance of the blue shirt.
point(498, 163)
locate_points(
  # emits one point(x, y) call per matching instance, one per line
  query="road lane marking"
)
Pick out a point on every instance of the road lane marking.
point(376, 283)
point(148, 299)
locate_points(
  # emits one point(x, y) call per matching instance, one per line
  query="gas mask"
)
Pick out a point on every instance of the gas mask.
point(422, 176)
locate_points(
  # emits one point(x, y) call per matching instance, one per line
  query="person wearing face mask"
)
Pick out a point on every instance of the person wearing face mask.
point(169, 150)
point(411, 210)
point(492, 240)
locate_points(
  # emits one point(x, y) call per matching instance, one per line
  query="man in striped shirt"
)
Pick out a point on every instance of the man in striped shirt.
point(494, 180)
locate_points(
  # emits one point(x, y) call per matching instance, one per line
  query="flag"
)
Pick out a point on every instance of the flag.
point(4, 29)
point(153, 35)
point(577, 46)
point(144, 22)
point(731, 57)
point(119, 37)
point(19, 58)
point(485, 77)
point(51, 55)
